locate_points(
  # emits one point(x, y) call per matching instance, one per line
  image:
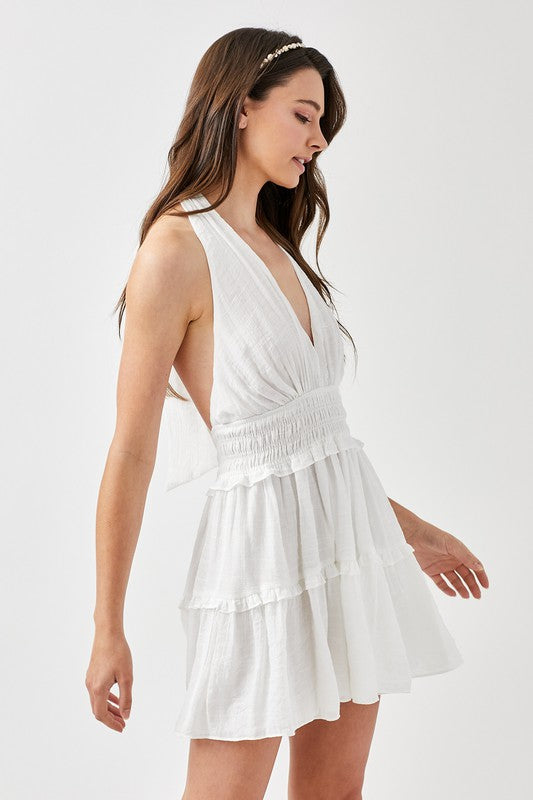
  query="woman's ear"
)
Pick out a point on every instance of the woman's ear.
point(243, 118)
point(244, 113)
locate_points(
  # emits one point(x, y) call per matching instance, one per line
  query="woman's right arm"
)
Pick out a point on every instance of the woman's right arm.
point(160, 302)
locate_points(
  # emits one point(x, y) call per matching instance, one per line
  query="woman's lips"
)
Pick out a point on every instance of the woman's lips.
point(302, 168)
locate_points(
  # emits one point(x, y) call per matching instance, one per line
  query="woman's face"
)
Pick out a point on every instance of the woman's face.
point(274, 131)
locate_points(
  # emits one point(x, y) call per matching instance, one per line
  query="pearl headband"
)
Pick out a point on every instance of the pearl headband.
point(277, 52)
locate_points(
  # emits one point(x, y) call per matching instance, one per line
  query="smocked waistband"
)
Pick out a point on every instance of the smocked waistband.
point(305, 429)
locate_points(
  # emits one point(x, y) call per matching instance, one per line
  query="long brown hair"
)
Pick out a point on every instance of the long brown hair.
point(204, 151)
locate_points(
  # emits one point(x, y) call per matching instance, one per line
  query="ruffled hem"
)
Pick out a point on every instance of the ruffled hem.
point(244, 475)
point(313, 713)
point(276, 667)
point(274, 593)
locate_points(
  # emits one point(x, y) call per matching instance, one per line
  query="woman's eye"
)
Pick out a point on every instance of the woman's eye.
point(302, 118)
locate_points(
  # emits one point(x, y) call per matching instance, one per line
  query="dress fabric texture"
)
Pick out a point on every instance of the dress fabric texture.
point(301, 591)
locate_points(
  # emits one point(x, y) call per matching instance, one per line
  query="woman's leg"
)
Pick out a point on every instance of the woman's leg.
point(328, 759)
point(219, 770)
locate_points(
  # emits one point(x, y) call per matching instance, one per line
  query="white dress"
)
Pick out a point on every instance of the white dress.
point(302, 591)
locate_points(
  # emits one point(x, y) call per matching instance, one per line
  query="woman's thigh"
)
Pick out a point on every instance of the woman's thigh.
point(328, 759)
point(220, 770)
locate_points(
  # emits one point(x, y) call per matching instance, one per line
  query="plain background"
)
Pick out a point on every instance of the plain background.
point(430, 248)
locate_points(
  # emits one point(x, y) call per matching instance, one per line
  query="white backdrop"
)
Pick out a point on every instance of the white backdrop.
point(430, 191)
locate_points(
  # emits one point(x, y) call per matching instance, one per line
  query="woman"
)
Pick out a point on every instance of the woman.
point(305, 598)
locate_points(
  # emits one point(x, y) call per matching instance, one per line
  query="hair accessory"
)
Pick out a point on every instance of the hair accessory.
point(277, 52)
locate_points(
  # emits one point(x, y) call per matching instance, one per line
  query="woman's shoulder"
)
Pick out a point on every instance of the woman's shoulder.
point(172, 230)
point(173, 237)
point(172, 247)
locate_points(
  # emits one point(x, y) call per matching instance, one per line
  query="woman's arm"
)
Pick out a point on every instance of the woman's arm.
point(160, 298)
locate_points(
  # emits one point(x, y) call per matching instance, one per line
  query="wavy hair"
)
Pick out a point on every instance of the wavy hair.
point(204, 151)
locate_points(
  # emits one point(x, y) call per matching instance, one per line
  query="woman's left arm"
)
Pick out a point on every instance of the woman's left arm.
point(440, 554)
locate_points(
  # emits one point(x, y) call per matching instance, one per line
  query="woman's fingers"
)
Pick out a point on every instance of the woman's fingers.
point(124, 707)
point(113, 697)
point(442, 585)
point(469, 578)
point(114, 710)
point(456, 581)
point(113, 721)
point(104, 711)
point(467, 558)
point(113, 705)
point(124, 685)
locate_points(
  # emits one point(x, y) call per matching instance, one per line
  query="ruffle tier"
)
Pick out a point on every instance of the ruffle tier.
point(303, 593)
point(277, 666)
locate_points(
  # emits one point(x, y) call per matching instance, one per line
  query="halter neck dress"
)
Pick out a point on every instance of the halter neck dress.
point(301, 591)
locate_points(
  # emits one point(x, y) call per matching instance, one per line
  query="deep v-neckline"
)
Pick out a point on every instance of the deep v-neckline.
point(311, 340)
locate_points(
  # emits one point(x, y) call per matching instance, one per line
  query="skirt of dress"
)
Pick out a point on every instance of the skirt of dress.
point(302, 593)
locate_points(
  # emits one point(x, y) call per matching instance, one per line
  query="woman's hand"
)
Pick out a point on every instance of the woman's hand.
point(441, 554)
point(110, 663)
